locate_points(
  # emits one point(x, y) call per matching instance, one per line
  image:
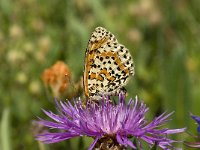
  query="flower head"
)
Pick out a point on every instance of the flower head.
point(106, 120)
point(197, 138)
point(197, 119)
point(57, 77)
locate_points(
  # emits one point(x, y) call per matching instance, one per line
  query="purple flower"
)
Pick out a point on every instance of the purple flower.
point(119, 122)
point(197, 138)
point(197, 119)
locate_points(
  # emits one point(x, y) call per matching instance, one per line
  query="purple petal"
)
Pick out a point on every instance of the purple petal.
point(93, 143)
point(173, 131)
point(55, 137)
point(53, 124)
point(196, 118)
point(125, 141)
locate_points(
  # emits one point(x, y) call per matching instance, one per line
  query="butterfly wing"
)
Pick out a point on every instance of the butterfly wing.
point(108, 65)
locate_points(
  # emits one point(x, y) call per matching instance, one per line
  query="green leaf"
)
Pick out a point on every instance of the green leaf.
point(5, 128)
point(154, 147)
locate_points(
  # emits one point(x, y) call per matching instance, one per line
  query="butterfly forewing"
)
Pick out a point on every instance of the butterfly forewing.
point(108, 65)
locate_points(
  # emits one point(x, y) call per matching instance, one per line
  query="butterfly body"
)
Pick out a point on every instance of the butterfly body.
point(108, 65)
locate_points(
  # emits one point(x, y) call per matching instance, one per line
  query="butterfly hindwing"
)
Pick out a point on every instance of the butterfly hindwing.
point(108, 65)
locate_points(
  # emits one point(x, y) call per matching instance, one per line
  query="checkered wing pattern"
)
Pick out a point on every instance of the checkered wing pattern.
point(108, 65)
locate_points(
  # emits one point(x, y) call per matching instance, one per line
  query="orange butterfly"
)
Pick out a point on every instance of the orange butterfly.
point(108, 65)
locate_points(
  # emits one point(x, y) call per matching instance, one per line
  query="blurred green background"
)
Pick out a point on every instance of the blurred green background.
point(162, 36)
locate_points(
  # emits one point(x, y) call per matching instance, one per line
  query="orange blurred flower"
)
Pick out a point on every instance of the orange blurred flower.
point(57, 78)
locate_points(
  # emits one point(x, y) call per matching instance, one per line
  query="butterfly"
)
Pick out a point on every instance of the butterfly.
point(108, 65)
